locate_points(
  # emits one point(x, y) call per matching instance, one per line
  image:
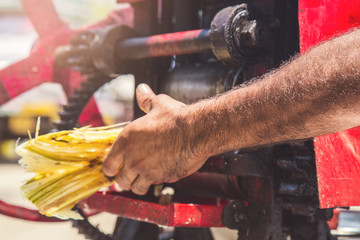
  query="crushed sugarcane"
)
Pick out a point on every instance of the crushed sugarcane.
point(68, 167)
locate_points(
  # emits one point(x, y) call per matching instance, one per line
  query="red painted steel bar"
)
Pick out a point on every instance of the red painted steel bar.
point(24, 213)
point(173, 215)
point(30, 72)
point(193, 41)
point(37, 68)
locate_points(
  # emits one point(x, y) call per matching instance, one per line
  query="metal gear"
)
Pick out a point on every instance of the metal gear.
point(76, 103)
point(88, 230)
point(76, 56)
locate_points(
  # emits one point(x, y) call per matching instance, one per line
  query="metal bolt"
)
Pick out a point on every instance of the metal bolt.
point(249, 36)
point(240, 217)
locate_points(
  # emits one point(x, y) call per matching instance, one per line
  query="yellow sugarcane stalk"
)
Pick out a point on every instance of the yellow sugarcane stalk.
point(68, 167)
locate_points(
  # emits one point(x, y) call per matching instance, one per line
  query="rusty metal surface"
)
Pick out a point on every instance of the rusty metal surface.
point(193, 41)
point(237, 38)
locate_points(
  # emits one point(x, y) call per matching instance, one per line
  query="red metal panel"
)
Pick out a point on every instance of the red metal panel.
point(337, 155)
point(322, 19)
point(173, 215)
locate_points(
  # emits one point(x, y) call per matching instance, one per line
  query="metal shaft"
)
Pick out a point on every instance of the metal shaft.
point(194, 41)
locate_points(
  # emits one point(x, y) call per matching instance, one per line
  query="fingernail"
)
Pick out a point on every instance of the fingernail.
point(142, 88)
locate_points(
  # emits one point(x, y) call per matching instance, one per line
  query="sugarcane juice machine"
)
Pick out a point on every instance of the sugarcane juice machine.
point(193, 50)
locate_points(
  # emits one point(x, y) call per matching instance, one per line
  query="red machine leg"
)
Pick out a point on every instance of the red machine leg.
point(173, 215)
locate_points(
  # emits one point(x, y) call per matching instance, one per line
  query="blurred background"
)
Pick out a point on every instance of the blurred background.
point(17, 36)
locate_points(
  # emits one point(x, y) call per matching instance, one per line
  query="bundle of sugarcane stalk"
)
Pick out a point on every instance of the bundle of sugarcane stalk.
point(68, 167)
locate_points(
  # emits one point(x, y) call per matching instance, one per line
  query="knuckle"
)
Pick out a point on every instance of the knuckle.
point(139, 189)
point(108, 170)
point(123, 184)
point(124, 180)
point(121, 179)
point(111, 167)
point(112, 163)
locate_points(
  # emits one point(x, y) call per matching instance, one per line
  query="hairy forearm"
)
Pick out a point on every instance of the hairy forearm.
point(315, 94)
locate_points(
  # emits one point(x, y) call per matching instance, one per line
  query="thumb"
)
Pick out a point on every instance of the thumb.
point(144, 96)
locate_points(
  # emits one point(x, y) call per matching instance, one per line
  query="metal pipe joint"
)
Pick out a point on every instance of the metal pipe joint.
point(235, 38)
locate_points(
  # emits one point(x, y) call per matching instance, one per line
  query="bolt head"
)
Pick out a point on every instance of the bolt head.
point(240, 217)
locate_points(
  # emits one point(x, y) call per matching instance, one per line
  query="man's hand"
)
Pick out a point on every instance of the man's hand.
point(155, 148)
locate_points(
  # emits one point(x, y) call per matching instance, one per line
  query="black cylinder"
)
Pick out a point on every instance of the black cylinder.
point(192, 83)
